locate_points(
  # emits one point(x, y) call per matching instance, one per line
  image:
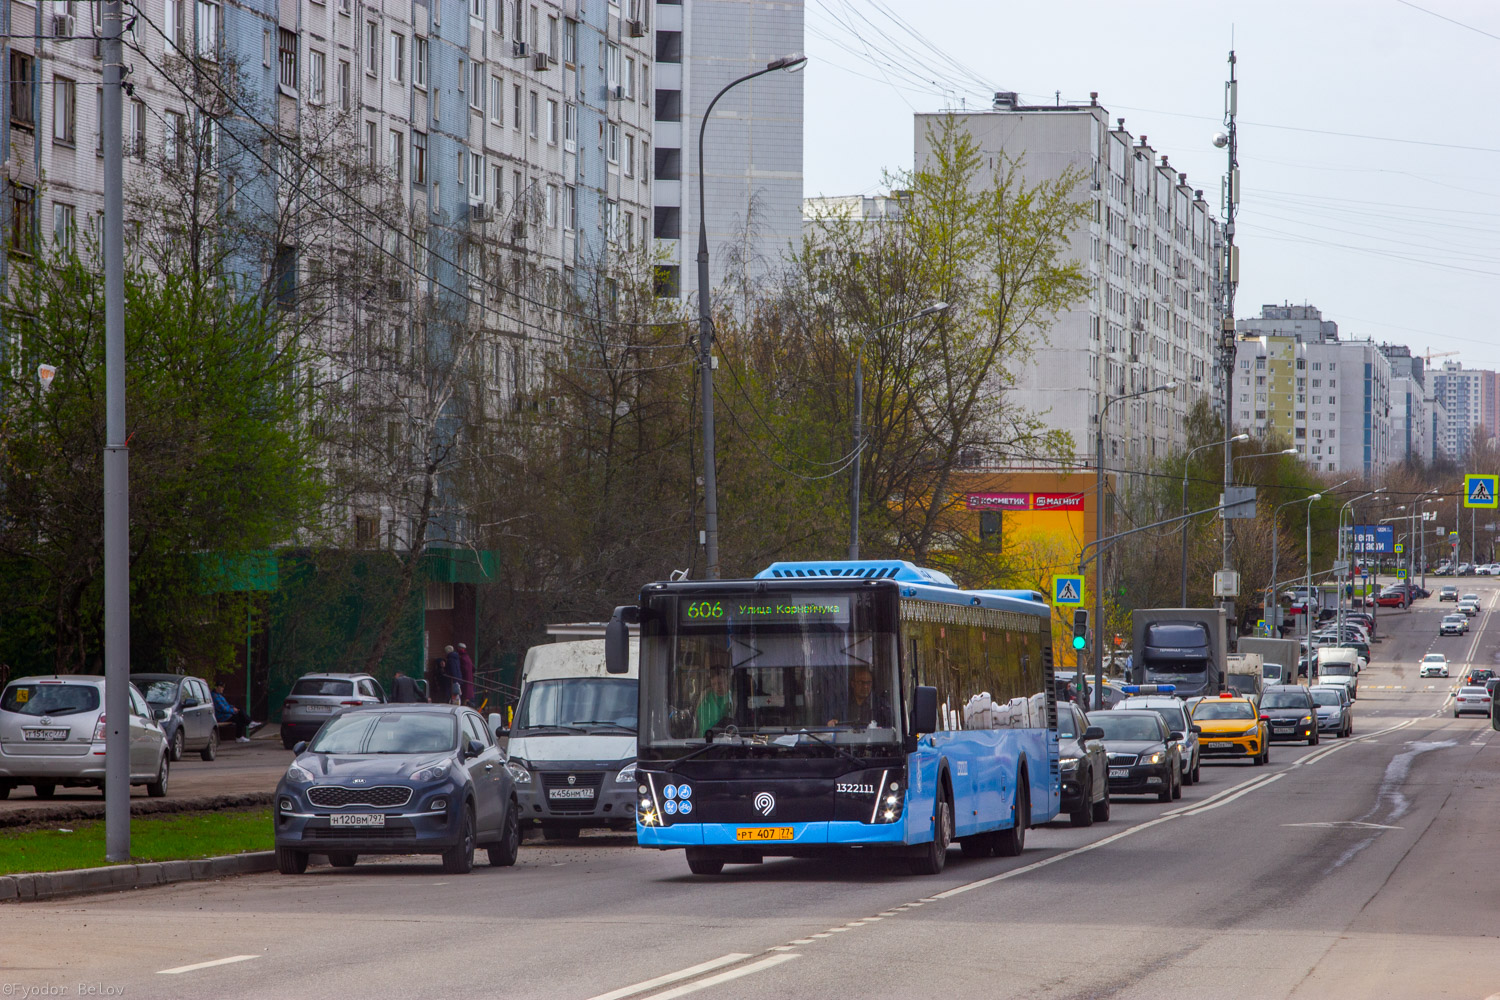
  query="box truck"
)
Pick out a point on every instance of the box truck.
point(1185, 647)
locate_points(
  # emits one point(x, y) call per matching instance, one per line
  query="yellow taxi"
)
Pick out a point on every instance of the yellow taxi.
point(1232, 726)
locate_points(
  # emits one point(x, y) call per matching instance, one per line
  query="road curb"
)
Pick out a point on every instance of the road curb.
point(50, 885)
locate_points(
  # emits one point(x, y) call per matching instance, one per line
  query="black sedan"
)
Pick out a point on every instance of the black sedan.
point(1144, 758)
point(398, 779)
point(1085, 767)
point(1293, 714)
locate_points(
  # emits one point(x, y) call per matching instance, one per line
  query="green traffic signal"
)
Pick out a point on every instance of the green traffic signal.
point(1079, 642)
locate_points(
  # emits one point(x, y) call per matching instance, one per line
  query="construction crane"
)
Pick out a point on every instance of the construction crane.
point(1438, 354)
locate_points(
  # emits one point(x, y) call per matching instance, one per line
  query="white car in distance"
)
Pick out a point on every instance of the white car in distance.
point(1434, 665)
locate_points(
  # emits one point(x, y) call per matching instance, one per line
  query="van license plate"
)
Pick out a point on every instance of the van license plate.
point(46, 735)
point(357, 819)
point(763, 833)
point(570, 793)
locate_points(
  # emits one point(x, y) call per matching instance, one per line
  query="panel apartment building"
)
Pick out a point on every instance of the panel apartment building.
point(1149, 252)
point(1471, 397)
point(752, 169)
point(1296, 381)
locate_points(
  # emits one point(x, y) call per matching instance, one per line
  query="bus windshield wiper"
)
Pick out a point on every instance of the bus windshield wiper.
point(694, 753)
point(830, 744)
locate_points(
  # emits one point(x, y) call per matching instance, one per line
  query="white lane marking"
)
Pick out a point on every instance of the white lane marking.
point(1225, 801)
point(205, 965)
point(723, 977)
point(673, 977)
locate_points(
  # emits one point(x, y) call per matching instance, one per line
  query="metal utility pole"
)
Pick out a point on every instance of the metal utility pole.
point(1231, 279)
point(705, 331)
point(116, 460)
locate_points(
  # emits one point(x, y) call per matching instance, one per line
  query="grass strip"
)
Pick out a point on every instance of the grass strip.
point(166, 838)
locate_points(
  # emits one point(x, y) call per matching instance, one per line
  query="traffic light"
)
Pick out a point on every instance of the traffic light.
point(1080, 628)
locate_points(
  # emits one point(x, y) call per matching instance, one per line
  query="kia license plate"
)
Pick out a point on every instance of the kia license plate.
point(570, 793)
point(357, 819)
point(1119, 772)
point(763, 833)
point(46, 735)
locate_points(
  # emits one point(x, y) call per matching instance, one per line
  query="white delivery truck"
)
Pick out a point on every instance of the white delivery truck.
point(573, 739)
point(1246, 675)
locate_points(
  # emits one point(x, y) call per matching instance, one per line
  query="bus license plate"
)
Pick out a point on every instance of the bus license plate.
point(763, 833)
point(1119, 772)
point(357, 819)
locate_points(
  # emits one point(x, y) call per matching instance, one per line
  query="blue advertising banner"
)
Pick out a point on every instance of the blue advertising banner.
point(1375, 538)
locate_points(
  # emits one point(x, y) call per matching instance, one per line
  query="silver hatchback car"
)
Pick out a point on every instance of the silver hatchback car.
point(52, 733)
point(315, 698)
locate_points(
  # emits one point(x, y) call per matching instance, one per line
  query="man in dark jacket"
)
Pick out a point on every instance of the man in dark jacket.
point(466, 665)
point(404, 690)
point(437, 682)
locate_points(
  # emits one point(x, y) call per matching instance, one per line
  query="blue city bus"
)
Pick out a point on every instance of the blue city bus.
point(828, 707)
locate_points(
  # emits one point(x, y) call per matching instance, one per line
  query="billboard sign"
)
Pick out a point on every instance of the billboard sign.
point(1375, 538)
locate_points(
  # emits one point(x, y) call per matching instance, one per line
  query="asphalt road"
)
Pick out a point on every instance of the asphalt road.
point(1360, 868)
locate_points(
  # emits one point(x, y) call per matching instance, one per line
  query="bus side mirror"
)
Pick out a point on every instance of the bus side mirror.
point(924, 713)
point(617, 639)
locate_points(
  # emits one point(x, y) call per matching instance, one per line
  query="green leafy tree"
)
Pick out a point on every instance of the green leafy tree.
point(219, 463)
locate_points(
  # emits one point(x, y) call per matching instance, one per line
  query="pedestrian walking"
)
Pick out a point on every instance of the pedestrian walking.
point(437, 682)
point(466, 665)
point(453, 672)
point(404, 690)
point(224, 711)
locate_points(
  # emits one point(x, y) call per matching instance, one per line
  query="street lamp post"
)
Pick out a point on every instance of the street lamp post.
point(705, 335)
point(1186, 465)
point(1276, 550)
point(1099, 533)
point(859, 411)
point(1345, 555)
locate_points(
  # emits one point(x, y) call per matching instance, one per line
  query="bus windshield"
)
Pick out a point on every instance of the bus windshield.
point(769, 668)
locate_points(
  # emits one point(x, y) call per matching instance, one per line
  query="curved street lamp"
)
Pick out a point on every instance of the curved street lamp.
point(705, 337)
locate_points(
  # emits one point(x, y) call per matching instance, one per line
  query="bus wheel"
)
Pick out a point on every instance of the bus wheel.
point(934, 855)
point(1009, 843)
point(700, 862)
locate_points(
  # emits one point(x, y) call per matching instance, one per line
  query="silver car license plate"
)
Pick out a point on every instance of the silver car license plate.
point(318, 709)
point(45, 735)
point(357, 819)
point(570, 793)
point(1119, 772)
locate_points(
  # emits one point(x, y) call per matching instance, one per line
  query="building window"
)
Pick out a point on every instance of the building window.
point(22, 68)
point(318, 70)
point(419, 157)
point(22, 218)
point(286, 57)
point(476, 177)
point(372, 48)
point(552, 122)
point(174, 140)
point(497, 101)
point(570, 42)
point(419, 62)
point(476, 9)
point(629, 156)
point(64, 110)
point(570, 207)
point(172, 23)
point(551, 206)
point(63, 226)
point(515, 107)
point(398, 56)
point(627, 81)
point(612, 68)
point(532, 119)
point(612, 152)
point(570, 124)
point(476, 92)
point(395, 153)
point(645, 161)
point(372, 148)
point(497, 185)
point(135, 142)
point(208, 29)
point(612, 221)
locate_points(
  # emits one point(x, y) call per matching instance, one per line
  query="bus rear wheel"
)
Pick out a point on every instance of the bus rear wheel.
point(934, 854)
point(1010, 843)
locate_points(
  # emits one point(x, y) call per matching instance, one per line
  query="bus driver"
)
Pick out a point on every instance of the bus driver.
point(864, 707)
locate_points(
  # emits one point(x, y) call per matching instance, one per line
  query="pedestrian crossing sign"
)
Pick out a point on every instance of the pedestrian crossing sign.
point(1401, 573)
point(1067, 590)
point(1479, 491)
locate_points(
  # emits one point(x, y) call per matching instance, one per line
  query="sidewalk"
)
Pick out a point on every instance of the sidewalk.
point(242, 769)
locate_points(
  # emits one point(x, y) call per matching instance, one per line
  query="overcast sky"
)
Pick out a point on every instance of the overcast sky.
point(1391, 227)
